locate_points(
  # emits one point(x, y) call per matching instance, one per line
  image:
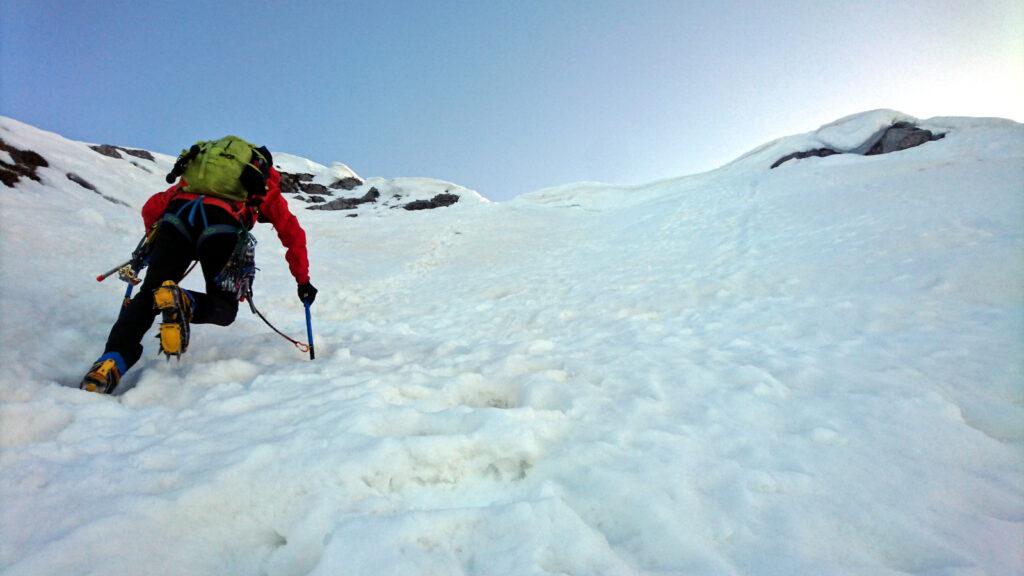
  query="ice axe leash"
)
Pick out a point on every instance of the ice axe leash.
point(302, 346)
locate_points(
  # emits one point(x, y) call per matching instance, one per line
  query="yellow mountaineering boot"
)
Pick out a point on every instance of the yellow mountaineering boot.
point(175, 305)
point(104, 375)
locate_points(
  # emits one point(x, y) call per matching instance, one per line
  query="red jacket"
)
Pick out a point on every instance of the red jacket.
point(273, 209)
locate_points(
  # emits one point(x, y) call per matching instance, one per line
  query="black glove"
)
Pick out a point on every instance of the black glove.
point(307, 293)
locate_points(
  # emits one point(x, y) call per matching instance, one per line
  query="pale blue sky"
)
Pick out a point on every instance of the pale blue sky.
point(502, 97)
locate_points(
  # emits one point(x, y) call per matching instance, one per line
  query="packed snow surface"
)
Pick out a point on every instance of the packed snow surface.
point(816, 369)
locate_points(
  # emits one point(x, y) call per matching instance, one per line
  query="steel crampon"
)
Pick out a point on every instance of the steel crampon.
point(175, 305)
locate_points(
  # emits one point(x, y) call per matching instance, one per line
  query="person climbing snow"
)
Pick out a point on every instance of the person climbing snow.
point(226, 186)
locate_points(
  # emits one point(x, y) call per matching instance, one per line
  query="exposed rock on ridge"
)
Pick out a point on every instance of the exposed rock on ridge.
point(898, 136)
point(347, 183)
point(439, 201)
point(115, 152)
point(302, 182)
point(302, 187)
point(348, 203)
point(85, 184)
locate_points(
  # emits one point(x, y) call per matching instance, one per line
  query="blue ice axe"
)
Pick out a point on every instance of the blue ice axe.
point(309, 331)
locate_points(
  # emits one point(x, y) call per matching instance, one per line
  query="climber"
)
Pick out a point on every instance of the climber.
point(226, 186)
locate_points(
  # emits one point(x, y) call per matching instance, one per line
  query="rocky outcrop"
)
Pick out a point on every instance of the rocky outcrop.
point(85, 184)
point(348, 203)
point(343, 177)
point(107, 150)
point(820, 152)
point(290, 182)
point(899, 136)
point(25, 164)
point(439, 201)
point(302, 183)
point(314, 189)
point(115, 152)
point(348, 183)
point(138, 154)
point(81, 181)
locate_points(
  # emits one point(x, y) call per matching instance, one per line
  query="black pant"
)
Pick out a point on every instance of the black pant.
point(174, 248)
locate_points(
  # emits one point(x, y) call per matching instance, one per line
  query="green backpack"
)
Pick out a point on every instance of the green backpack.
point(228, 168)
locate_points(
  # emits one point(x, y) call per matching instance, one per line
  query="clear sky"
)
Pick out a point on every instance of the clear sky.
point(503, 97)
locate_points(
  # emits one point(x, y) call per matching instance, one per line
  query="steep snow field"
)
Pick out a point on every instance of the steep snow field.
point(816, 369)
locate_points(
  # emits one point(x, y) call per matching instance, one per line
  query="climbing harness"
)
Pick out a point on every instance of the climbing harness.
point(196, 206)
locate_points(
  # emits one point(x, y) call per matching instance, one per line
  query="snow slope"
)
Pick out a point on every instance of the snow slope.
point(816, 369)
